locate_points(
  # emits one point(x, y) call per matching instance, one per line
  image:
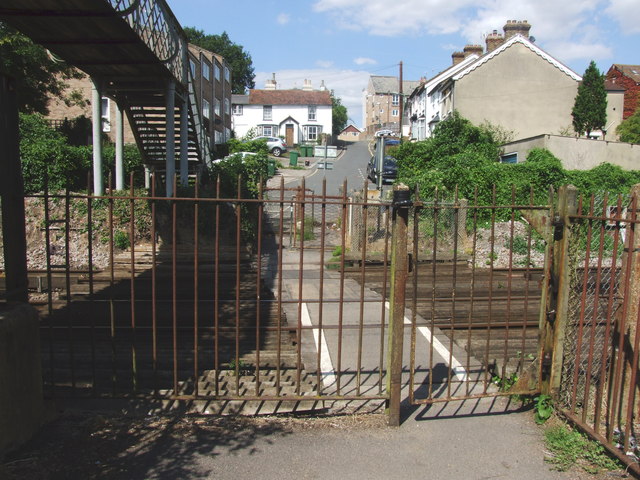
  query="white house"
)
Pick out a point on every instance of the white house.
point(297, 115)
point(423, 105)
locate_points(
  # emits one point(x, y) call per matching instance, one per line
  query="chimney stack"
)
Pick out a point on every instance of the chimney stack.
point(457, 57)
point(473, 49)
point(307, 85)
point(514, 27)
point(494, 40)
point(271, 84)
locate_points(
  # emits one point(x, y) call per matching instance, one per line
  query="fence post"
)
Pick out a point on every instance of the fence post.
point(557, 306)
point(399, 273)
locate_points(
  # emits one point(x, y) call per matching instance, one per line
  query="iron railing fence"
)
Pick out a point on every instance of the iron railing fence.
point(599, 377)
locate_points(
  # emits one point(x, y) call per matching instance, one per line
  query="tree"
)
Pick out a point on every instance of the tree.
point(339, 115)
point(38, 74)
point(239, 61)
point(590, 107)
point(629, 129)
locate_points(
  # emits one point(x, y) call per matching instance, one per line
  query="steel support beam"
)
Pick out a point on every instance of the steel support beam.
point(96, 118)
point(119, 148)
point(170, 137)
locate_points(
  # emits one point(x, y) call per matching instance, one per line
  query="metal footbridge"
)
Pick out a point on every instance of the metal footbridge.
point(136, 53)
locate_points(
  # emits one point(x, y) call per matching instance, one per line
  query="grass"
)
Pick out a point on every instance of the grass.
point(569, 448)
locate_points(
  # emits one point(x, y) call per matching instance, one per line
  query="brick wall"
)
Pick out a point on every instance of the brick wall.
point(632, 90)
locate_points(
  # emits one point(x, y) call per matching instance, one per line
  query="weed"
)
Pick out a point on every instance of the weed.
point(505, 383)
point(519, 245)
point(121, 240)
point(337, 251)
point(543, 408)
point(240, 369)
point(569, 447)
point(308, 229)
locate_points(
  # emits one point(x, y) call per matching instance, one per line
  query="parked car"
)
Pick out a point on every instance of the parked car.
point(389, 169)
point(276, 145)
point(384, 133)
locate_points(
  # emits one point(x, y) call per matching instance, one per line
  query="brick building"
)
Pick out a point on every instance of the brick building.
point(627, 76)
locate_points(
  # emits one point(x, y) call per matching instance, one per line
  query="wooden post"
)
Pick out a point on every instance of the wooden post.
point(399, 273)
point(12, 194)
point(554, 317)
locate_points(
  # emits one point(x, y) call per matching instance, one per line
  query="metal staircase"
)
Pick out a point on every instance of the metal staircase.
point(134, 48)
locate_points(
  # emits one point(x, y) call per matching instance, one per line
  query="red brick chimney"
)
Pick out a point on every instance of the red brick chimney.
point(473, 49)
point(457, 57)
point(494, 40)
point(514, 27)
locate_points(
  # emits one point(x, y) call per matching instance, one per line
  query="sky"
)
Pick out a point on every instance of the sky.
point(343, 42)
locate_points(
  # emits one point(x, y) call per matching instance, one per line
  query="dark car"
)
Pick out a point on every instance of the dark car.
point(389, 169)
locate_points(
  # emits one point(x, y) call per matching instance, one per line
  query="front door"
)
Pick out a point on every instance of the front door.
point(289, 134)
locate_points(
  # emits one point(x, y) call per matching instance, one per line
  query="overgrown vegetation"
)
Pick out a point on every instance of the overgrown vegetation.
point(590, 108)
point(629, 129)
point(47, 153)
point(568, 447)
point(463, 156)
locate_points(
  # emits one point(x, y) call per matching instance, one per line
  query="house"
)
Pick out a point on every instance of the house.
point(381, 103)
point(628, 77)
point(514, 85)
point(298, 115)
point(350, 133)
point(422, 106)
point(212, 84)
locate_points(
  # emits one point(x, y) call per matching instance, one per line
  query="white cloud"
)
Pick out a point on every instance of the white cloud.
point(364, 61)
point(284, 18)
point(324, 63)
point(627, 14)
point(346, 84)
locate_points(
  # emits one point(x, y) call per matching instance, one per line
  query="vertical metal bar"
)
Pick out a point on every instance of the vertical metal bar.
point(301, 206)
point(399, 274)
point(454, 276)
point(174, 279)
point(216, 293)
point(89, 199)
point(509, 281)
point(323, 225)
point(237, 288)
point(434, 275)
point(343, 246)
point(154, 286)
point(196, 283)
point(633, 387)
point(280, 253)
point(132, 237)
point(259, 288)
point(527, 282)
point(606, 347)
point(414, 297)
point(67, 287)
point(492, 254)
point(363, 268)
point(383, 307)
point(47, 246)
point(472, 288)
point(112, 305)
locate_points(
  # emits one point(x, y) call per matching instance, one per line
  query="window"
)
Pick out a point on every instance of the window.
point(237, 109)
point(394, 112)
point(192, 67)
point(206, 71)
point(395, 99)
point(227, 133)
point(226, 106)
point(267, 112)
point(509, 158)
point(312, 132)
point(216, 71)
point(106, 114)
point(217, 107)
point(206, 107)
point(267, 130)
point(218, 137)
point(312, 113)
point(227, 74)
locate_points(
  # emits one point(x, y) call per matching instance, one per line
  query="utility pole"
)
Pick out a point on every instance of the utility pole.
point(401, 103)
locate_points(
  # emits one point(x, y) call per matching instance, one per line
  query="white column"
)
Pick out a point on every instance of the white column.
point(170, 138)
point(147, 177)
point(96, 112)
point(119, 149)
point(184, 143)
